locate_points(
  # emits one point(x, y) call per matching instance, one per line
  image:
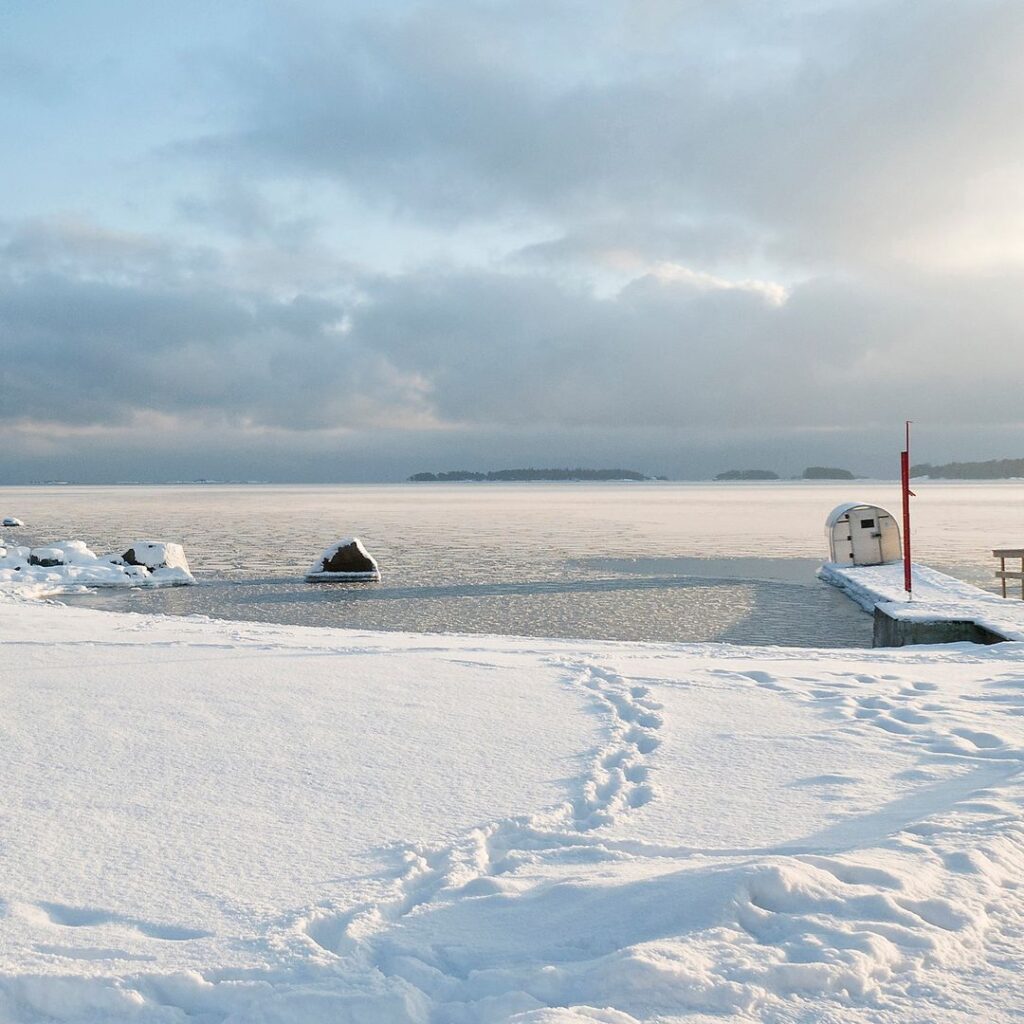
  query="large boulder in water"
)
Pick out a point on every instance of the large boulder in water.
point(343, 561)
point(156, 554)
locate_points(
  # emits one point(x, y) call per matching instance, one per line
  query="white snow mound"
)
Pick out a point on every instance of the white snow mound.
point(70, 566)
point(154, 554)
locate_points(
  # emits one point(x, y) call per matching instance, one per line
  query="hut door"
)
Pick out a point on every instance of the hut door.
point(866, 536)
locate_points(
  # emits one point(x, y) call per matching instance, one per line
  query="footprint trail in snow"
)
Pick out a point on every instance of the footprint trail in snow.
point(618, 780)
point(499, 926)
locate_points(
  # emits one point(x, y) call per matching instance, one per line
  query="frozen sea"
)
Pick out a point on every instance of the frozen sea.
point(624, 561)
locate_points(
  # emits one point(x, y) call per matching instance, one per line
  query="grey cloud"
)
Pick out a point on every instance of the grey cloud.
point(489, 350)
point(90, 352)
point(705, 243)
point(80, 249)
point(832, 131)
point(522, 350)
point(234, 207)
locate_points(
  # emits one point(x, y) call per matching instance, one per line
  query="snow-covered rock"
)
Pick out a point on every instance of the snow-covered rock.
point(68, 566)
point(344, 560)
point(154, 554)
point(46, 557)
point(11, 521)
point(66, 552)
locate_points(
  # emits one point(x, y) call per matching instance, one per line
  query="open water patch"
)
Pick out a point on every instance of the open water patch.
point(634, 606)
point(586, 561)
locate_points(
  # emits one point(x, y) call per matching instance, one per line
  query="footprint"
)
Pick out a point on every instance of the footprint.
point(66, 916)
point(74, 917)
point(330, 930)
point(641, 795)
point(822, 780)
point(891, 725)
point(643, 741)
point(982, 740)
point(909, 716)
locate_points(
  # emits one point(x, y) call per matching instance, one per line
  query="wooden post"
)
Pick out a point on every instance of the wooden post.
point(1005, 574)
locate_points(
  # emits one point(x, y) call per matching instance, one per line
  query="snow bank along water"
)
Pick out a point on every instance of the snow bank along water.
point(294, 825)
point(69, 565)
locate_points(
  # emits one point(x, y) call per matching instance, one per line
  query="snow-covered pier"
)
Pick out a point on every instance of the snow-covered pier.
point(942, 609)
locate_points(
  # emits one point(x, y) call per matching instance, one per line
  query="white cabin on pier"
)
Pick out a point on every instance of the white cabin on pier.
point(862, 535)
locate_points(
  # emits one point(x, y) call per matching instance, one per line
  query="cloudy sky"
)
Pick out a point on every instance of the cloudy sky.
point(338, 241)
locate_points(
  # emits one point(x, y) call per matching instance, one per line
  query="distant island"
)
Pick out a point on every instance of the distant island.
point(810, 473)
point(993, 469)
point(532, 474)
point(747, 474)
point(826, 473)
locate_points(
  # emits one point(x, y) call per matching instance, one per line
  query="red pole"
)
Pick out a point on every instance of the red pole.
point(908, 585)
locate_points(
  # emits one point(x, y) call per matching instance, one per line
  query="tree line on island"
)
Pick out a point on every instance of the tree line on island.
point(533, 474)
point(810, 473)
point(992, 469)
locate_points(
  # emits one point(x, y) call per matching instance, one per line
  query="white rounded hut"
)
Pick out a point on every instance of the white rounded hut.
point(861, 534)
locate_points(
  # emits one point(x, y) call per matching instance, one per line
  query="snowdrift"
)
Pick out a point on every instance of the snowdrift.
point(69, 566)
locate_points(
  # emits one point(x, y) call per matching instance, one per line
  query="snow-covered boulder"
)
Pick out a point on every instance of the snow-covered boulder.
point(46, 557)
point(65, 552)
point(155, 554)
point(11, 521)
point(345, 560)
point(69, 566)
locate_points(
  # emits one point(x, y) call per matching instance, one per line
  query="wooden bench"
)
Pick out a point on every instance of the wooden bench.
point(1003, 574)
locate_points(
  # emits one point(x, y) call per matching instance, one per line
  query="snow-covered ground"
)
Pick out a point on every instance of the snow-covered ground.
point(209, 822)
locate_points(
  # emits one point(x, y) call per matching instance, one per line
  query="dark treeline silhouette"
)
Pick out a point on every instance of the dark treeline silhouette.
point(810, 473)
point(747, 474)
point(531, 474)
point(993, 469)
point(827, 473)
